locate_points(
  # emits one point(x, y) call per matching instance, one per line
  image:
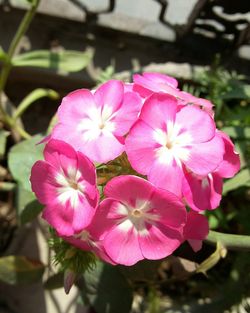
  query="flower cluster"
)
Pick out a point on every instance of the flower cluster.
point(152, 149)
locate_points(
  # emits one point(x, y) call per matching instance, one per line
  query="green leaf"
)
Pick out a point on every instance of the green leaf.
point(107, 290)
point(15, 270)
point(65, 61)
point(30, 211)
point(237, 132)
point(240, 91)
point(21, 158)
point(3, 138)
point(239, 180)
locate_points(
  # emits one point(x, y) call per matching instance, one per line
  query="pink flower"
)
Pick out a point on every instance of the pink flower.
point(149, 83)
point(196, 230)
point(66, 184)
point(166, 139)
point(204, 193)
point(138, 221)
point(95, 123)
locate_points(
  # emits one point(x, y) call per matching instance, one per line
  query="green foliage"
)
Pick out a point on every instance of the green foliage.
point(106, 289)
point(69, 257)
point(19, 270)
point(21, 158)
point(30, 211)
point(3, 55)
point(239, 180)
point(62, 61)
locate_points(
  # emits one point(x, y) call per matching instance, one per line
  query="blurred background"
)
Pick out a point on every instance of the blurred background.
point(205, 44)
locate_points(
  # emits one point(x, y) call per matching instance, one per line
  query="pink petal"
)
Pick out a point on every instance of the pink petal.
point(76, 105)
point(67, 220)
point(196, 123)
point(141, 147)
point(128, 188)
point(231, 159)
point(104, 148)
point(169, 208)
point(158, 110)
point(60, 155)
point(196, 245)
point(106, 216)
point(122, 245)
point(205, 157)
point(128, 113)
point(167, 176)
point(43, 182)
point(161, 79)
point(197, 229)
point(202, 193)
point(110, 94)
point(153, 85)
point(159, 242)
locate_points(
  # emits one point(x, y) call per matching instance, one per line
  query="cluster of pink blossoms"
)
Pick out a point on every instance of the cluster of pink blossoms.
point(171, 141)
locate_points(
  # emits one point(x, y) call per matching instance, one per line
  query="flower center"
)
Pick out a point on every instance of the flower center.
point(73, 185)
point(169, 144)
point(136, 213)
point(102, 125)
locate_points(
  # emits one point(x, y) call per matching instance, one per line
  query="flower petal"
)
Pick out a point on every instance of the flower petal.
point(60, 155)
point(202, 193)
point(122, 245)
point(141, 146)
point(205, 157)
point(43, 182)
point(159, 242)
point(128, 188)
point(159, 110)
point(128, 113)
point(167, 175)
point(197, 123)
point(103, 148)
point(77, 105)
point(196, 229)
point(110, 95)
point(231, 159)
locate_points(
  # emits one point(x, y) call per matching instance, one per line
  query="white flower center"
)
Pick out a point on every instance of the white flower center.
point(173, 144)
point(69, 188)
point(137, 217)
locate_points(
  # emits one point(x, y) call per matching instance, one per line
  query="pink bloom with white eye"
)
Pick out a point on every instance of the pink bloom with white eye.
point(204, 193)
point(165, 140)
point(196, 230)
point(66, 184)
point(95, 123)
point(148, 83)
point(139, 221)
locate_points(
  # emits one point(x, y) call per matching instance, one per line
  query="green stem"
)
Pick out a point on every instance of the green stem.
point(7, 65)
point(31, 98)
point(229, 241)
